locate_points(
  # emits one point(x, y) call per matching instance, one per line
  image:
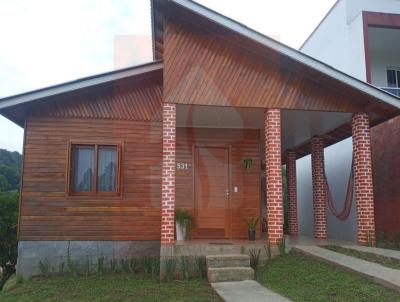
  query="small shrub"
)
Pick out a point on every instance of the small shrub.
point(268, 250)
point(369, 239)
point(155, 268)
point(185, 268)
point(71, 264)
point(114, 265)
point(44, 267)
point(19, 279)
point(134, 264)
point(170, 268)
point(86, 267)
point(125, 265)
point(252, 223)
point(201, 266)
point(282, 246)
point(61, 268)
point(147, 264)
point(100, 265)
point(185, 218)
point(254, 258)
point(397, 241)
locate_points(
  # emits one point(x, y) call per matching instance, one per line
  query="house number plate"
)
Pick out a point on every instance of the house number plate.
point(182, 166)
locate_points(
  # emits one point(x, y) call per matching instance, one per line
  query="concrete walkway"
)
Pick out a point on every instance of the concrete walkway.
point(374, 272)
point(247, 290)
point(374, 250)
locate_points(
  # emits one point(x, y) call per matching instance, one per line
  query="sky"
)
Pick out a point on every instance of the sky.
point(47, 42)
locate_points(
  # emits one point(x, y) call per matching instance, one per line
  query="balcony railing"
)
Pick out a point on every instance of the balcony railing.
point(392, 90)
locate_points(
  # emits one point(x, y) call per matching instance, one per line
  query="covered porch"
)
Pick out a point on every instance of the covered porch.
point(218, 72)
point(224, 164)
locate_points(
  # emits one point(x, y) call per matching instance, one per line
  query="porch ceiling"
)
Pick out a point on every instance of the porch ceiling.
point(298, 126)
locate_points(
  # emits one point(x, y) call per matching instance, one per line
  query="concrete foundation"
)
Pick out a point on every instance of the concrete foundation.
point(30, 253)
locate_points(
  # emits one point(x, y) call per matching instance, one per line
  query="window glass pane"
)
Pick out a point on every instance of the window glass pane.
point(83, 168)
point(391, 78)
point(398, 78)
point(107, 169)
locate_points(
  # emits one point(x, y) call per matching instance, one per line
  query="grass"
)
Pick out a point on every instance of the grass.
point(109, 287)
point(382, 260)
point(301, 278)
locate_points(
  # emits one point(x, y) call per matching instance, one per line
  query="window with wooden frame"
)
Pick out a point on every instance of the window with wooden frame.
point(94, 169)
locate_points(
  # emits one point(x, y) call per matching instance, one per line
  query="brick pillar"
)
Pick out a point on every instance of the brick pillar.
point(292, 192)
point(273, 170)
point(319, 189)
point(363, 179)
point(168, 175)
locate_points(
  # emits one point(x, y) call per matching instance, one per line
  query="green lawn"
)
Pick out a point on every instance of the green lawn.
point(108, 287)
point(382, 260)
point(301, 278)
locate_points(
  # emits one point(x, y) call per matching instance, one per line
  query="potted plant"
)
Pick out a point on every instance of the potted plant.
point(184, 223)
point(251, 228)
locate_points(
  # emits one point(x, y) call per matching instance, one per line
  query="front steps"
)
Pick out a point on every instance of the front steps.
point(225, 268)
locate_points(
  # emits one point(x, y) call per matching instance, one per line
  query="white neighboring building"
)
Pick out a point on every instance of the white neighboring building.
point(360, 38)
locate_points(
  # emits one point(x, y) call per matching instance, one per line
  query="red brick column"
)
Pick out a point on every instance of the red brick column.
point(292, 192)
point(363, 183)
point(168, 175)
point(319, 188)
point(273, 170)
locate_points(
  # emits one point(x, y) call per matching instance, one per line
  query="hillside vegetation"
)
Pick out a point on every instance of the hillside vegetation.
point(10, 167)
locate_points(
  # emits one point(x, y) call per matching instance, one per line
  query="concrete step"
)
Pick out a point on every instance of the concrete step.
point(225, 274)
point(229, 260)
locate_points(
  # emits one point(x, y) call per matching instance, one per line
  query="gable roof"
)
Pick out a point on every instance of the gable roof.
point(159, 8)
point(54, 92)
point(81, 83)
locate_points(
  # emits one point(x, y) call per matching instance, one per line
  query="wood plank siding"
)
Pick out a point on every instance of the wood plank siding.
point(123, 115)
point(204, 68)
point(243, 143)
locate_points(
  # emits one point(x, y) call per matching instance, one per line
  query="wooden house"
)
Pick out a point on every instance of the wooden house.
point(206, 126)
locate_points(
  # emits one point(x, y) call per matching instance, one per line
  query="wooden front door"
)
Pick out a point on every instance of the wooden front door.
point(212, 195)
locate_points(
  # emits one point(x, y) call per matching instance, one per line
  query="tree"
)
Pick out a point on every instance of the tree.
point(10, 158)
point(11, 173)
point(8, 234)
point(4, 185)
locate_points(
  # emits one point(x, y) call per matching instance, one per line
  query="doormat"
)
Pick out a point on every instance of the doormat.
point(221, 243)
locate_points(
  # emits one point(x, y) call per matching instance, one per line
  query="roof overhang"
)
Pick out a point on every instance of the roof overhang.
point(160, 6)
point(79, 84)
point(53, 93)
